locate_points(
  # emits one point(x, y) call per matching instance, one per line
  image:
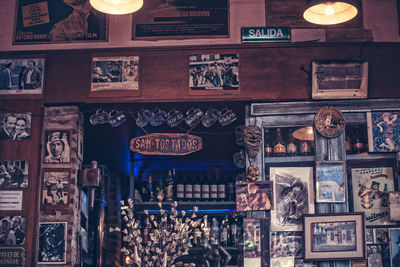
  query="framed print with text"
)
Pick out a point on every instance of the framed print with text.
point(330, 181)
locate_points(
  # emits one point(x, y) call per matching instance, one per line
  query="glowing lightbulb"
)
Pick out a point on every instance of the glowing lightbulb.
point(329, 10)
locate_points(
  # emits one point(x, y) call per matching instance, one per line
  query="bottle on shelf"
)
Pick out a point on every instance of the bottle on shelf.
point(189, 188)
point(291, 146)
point(169, 192)
point(146, 230)
point(213, 188)
point(305, 148)
point(230, 188)
point(223, 232)
point(348, 145)
point(159, 189)
point(205, 188)
point(144, 194)
point(221, 182)
point(279, 145)
point(268, 147)
point(197, 187)
point(180, 188)
point(234, 230)
point(214, 235)
point(358, 144)
point(150, 189)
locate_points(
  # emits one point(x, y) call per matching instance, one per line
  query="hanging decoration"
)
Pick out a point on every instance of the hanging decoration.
point(329, 122)
point(252, 139)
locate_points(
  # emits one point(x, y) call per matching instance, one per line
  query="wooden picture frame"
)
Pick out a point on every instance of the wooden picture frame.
point(334, 236)
point(330, 181)
point(55, 189)
point(52, 248)
point(257, 195)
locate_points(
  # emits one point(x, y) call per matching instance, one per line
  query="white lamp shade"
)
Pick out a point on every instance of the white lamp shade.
point(330, 12)
point(117, 7)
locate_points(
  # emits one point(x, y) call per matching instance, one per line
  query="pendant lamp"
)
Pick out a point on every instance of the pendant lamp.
point(330, 12)
point(117, 7)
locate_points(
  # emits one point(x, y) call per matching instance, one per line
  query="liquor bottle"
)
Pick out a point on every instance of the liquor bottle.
point(205, 188)
point(159, 192)
point(169, 194)
point(234, 233)
point(230, 188)
point(189, 189)
point(150, 189)
point(214, 235)
point(385, 197)
point(348, 144)
point(279, 145)
point(146, 230)
point(268, 147)
point(180, 188)
point(358, 144)
point(223, 232)
point(305, 148)
point(213, 188)
point(197, 188)
point(142, 189)
point(291, 147)
point(221, 181)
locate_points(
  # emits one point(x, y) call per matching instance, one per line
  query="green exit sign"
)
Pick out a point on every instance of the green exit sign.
point(265, 34)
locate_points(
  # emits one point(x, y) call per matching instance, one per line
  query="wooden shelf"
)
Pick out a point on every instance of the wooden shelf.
point(269, 160)
point(368, 156)
point(207, 207)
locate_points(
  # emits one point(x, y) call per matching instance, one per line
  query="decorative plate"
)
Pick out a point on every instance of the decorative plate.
point(329, 122)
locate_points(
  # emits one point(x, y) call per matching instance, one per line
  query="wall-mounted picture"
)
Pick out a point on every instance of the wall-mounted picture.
point(12, 231)
point(374, 256)
point(394, 206)
point(80, 144)
point(52, 243)
point(381, 235)
point(383, 131)
point(15, 126)
point(21, 76)
point(211, 74)
point(369, 235)
point(255, 195)
point(371, 188)
point(331, 181)
point(115, 73)
point(254, 238)
point(395, 247)
point(49, 21)
point(57, 149)
point(13, 174)
point(293, 197)
point(334, 236)
point(55, 187)
point(286, 248)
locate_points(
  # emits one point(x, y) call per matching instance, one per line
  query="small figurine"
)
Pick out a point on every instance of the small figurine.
point(253, 173)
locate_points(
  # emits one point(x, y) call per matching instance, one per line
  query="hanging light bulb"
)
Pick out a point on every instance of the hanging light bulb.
point(117, 7)
point(330, 12)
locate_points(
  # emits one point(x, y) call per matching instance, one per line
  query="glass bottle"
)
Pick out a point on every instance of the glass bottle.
point(213, 188)
point(291, 147)
point(268, 147)
point(197, 187)
point(279, 145)
point(348, 144)
point(150, 189)
point(230, 188)
point(205, 188)
point(223, 232)
point(358, 144)
point(189, 189)
point(385, 196)
point(180, 188)
point(305, 148)
point(159, 192)
point(221, 181)
point(214, 229)
point(169, 192)
point(233, 235)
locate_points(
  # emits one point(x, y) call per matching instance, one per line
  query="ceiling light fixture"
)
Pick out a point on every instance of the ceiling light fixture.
point(330, 12)
point(117, 7)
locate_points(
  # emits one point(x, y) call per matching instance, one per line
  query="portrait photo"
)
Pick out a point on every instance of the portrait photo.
point(381, 235)
point(12, 231)
point(15, 126)
point(55, 187)
point(293, 197)
point(57, 148)
point(394, 247)
point(374, 256)
point(115, 73)
point(330, 181)
point(369, 235)
point(52, 243)
point(255, 195)
point(21, 76)
point(394, 206)
point(13, 174)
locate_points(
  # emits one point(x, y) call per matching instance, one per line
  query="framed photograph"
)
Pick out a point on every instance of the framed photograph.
point(381, 235)
point(213, 74)
point(339, 79)
point(47, 21)
point(369, 235)
point(394, 206)
point(254, 245)
point(57, 148)
point(293, 197)
point(383, 131)
point(375, 255)
point(55, 188)
point(12, 231)
point(115, 73)
point(15, 126)
point(255, 195)
point(331, 181)
point(20, 76)
point(14, 174)
point(52, 243)
point(334, 236)
point(371, 188)
point(394, 247)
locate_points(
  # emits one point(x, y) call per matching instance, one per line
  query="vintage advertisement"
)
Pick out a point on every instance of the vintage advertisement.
point(55, 187)
point(15, 126)
point(58, 21)
point(394, 206)
point(376, 254)
point(371, 188)
point(52, 243)
point(255, 195)
point(13, 174)
point(383, 131)
point(57, 148)
point(331, 181)
point(115, 73)
point(166, 19)
point(11, 200)
point(19, 76)
point(293, 197)
point(12, 257)
point(12, 231)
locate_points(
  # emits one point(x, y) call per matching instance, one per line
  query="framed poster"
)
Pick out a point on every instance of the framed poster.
point(331, 181)
point(160, 19)
point(13, 174)
point(395, 247)
point(12, 231)
point(15, 126)
point(49, 21)
point(334, 236)
point(383, 131)
point(57, 148)
point(55, 188)
point(52, 243)
point(394, 206)
point(213, 74)
point(254, 242)
point(255, 195)
point(293, 197)
point(370, 193)
point(20, 76)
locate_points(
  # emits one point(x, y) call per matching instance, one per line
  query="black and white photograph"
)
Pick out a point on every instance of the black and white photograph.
point(374, 256)
point(394, 206)
point(21, 76)
point(330, 181)
point(285, 247)
point(12, 231)
point(255, 195)
point(15, 126)
point(55, 187)
point(369, 235)
point(58, 21)
point(394, 247)
point(52, 243)
point(57, 148)
point(13, 174)
point(214, 72)
point(293, 197)
point(334, 236)
point(381, 235)
point(115, 73)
